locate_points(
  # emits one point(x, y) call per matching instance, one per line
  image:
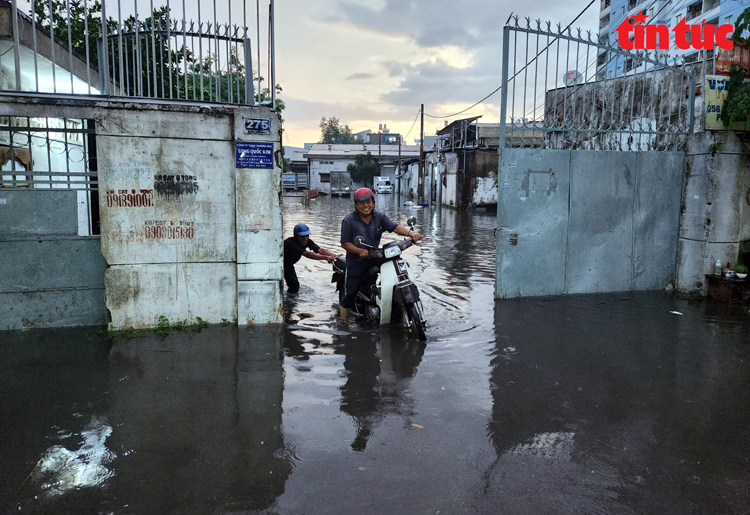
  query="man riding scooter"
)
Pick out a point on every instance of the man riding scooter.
point(369, 223)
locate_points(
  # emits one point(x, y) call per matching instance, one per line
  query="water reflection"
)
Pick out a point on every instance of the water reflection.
point(377, 374)
point(578, 404)
point(616, 399)
point(62, 470)
point(199, 417)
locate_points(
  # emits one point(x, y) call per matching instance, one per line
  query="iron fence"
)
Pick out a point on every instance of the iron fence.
point(191, 51)
point(565, 89)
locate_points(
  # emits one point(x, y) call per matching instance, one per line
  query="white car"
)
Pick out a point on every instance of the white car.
point(383, 185)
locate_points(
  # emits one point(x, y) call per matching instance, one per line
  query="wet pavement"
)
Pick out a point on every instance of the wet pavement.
point(580, 404)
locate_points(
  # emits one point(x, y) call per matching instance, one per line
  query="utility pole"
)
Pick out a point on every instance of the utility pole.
point(398, 173)
point(420, 184)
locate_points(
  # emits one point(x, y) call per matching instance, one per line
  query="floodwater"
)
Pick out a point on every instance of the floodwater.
point(616, 403)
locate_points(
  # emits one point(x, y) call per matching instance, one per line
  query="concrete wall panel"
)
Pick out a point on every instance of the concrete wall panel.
point(696, 198)
point(250, 311)
point(533, 206)
point(692, 263)
point(41, 265)
point(50, 212)
point(726, 206)
point(198, 123)
point(138, 294)
point(658, 197)
point(52, 308)
point(166, 201)
point(259, 226)
point(600, 241)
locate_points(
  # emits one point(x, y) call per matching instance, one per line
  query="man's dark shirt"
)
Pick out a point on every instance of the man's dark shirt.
point(293, 250)
point(353, 226)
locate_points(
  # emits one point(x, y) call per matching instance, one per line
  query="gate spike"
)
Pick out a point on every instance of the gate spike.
point(528, 22)
point(559, 28)
point(549, 26)
point(538, 24)
point(578, 33)
point(588, 35)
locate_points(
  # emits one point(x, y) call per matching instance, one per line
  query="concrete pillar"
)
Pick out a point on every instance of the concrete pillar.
point(715, 221)
point(259, 224)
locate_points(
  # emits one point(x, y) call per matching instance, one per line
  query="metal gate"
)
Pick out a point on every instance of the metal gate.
point(591, 155)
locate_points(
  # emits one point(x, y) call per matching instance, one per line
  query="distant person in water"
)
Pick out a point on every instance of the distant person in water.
point(297, 246)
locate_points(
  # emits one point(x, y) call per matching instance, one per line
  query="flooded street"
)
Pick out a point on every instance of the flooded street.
point(616, 403)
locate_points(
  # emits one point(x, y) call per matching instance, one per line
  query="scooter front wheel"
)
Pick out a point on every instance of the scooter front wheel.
point(416, 321)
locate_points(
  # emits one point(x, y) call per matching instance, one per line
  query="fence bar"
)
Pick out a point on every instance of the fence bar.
point(16, 44)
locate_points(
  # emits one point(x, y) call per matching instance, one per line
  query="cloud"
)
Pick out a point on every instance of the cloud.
point(444, 54)
point(360, 76)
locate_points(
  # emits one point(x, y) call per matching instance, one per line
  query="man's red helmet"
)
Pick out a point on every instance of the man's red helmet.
point(363, 194)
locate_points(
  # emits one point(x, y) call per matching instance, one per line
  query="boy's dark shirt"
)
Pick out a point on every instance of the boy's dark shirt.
point(293, 250)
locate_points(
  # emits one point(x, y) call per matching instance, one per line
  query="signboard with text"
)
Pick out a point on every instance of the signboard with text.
point(257, 126)
point(251, 154)
point(716, 93)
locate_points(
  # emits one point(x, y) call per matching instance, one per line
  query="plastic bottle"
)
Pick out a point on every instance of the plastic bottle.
point(717, 268)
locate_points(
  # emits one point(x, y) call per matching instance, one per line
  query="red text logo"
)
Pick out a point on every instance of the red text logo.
point(653, 37)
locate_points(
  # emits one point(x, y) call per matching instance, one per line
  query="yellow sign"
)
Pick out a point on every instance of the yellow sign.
point(716, 93)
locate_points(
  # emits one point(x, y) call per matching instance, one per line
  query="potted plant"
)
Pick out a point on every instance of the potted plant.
point(740, 271)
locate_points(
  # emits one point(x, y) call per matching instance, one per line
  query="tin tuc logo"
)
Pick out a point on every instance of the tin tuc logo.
point(653, 37)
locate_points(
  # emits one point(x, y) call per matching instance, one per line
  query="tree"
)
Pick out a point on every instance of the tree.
point(331, 131)
point(365, 167)
point(737, 101)
point(165, 71)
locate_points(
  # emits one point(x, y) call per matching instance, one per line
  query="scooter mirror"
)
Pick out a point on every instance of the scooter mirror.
point(411, 221)
point(359, 241)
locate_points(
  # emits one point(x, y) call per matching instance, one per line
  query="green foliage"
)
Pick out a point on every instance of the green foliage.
point(199, 324)
point(741, 25)
point(162, 327)
point(78, 21)
point(713, 148)
point(737, 102)
point(331, 131)
point(740, 269)
point(165, 71)
point(224, 322)
point(364, 168)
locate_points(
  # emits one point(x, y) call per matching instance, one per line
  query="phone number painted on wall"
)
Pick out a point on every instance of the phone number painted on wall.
point(162, 230)
point(132, 198)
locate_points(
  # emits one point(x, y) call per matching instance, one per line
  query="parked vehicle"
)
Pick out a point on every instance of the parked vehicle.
point(391, 295)
point(383, 184)
point(292, 181)
point(341, 184)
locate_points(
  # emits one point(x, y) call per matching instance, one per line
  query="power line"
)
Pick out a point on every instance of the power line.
point(412, 125)
point(519, 71)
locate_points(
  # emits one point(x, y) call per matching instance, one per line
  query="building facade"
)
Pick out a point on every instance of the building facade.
point(660, 12)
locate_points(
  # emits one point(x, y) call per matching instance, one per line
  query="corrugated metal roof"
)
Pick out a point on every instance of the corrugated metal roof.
point(298, 156)
point(320, 150)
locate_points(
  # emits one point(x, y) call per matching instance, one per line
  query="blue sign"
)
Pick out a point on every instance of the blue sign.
point(249, 154)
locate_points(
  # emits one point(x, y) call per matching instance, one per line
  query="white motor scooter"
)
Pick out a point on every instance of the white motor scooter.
point(395, 296)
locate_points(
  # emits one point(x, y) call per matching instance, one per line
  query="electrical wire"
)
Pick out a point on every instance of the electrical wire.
point(519, 71)
point(412, 125)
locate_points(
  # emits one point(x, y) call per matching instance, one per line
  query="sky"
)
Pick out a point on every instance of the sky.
point(374, 62)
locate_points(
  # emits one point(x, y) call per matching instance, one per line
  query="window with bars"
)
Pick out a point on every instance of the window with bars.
point(52, 154)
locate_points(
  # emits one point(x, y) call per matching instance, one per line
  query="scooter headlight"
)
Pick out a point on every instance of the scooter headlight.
point(392, 252)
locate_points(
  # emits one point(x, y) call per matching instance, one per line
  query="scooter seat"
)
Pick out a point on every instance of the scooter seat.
point(374, 270)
